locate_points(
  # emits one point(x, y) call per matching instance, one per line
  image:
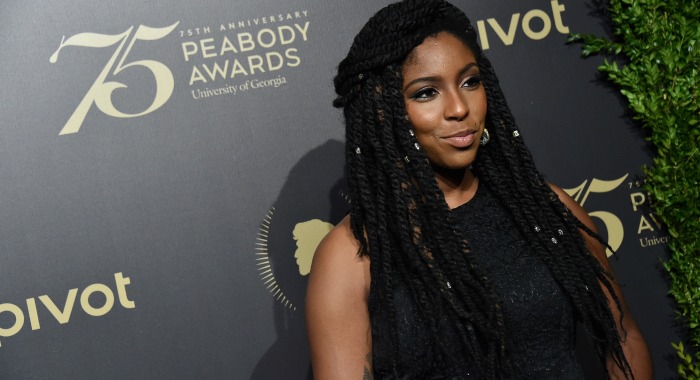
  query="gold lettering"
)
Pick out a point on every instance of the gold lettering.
point(644, 225)
point(227, 46)
point(19, 319)
point(545, 29)
point(637, 199)
point(238, 69)
point(291, 34)
point(245, 42)
point(506, 38)
point(294, 59)
point(207, 47)
point(85, 300)
point(302, 30)
point(557, 10)
point(188, 49)
point(273, 38)
point(196, 76)
point(255, 62)
point(271, 66)
point(61, 316)
point(100, 93)
point(483, 37)
point(33, 315)
point(216, 70)
point(122, 282)
point(613, 224)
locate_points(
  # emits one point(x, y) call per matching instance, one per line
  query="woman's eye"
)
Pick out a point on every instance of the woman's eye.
point(424, 94)
point(472, 82)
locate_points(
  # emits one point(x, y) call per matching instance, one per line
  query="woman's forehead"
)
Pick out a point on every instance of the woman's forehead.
point(438, 50)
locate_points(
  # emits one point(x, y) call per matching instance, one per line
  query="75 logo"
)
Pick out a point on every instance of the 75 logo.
point(612, 223)
point(100, 93)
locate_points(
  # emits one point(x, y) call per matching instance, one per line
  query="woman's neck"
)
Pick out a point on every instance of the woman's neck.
point(459, 186)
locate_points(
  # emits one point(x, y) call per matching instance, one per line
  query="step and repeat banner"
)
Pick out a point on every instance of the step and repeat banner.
point(167, 169)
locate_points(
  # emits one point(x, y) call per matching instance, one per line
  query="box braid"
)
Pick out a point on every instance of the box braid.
point(401, 220)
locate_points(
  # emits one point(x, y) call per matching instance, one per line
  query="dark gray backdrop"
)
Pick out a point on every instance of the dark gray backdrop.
point(195, 202)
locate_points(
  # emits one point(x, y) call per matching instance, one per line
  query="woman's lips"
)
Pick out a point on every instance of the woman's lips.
point(461, 139)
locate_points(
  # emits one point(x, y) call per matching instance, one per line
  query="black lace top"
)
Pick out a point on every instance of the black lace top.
point(540, 327)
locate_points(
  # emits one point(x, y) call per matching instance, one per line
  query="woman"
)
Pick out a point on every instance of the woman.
point(457, 259)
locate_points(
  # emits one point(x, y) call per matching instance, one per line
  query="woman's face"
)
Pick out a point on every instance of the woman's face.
point(445, 100)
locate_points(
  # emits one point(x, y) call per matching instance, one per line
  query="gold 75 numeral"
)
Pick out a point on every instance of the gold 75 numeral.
point(100, 93)
point(612, 223)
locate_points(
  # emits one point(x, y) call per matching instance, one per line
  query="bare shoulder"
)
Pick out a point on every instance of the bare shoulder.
point(336, 307)
point(337, 258)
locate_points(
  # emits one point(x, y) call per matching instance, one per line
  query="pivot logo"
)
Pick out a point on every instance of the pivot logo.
point(100, 93)
point(526, 24)
point(62, 314)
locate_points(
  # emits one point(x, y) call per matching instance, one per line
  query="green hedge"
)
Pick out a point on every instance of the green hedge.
point(654, 60)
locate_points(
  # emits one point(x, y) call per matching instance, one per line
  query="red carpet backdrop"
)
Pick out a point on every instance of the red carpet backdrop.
point(167, 168)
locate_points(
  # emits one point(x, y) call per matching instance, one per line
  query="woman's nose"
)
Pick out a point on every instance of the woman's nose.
point(456, 106)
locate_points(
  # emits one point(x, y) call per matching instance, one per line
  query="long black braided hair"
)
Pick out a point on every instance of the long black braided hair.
point(400, 217)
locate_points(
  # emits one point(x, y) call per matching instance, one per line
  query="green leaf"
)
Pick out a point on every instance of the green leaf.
point(658, 42)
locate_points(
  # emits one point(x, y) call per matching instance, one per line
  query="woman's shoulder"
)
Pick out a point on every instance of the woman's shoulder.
point(337, 264)
point(338, 247)
point(336, 306)
point(340, 237)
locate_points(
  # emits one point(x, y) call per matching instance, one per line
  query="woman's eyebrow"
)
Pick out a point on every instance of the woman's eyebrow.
point(421, 79)
point(437, 78)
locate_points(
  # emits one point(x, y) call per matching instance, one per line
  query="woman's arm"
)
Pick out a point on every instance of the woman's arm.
point(633, 344)
point(337, 318)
